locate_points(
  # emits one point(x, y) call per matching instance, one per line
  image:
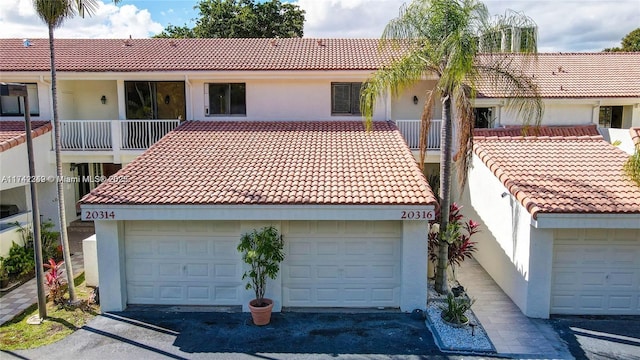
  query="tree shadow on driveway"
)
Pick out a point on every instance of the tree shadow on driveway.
point(600, 337)
point(289, 332)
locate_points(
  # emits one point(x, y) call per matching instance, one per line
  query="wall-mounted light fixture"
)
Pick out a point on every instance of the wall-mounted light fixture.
point(103, 99)
point(415, 100)
point(167, 99)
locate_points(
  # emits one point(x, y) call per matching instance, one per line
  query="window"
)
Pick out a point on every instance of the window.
point(226, 99)
point(483, 117)
point(14, 105)
point(610, 117)
point(345, 98)
point(155, 99)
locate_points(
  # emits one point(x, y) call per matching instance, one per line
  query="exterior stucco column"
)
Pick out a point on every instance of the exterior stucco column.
point(413, 294)
point(111, 265)
point(540, 272)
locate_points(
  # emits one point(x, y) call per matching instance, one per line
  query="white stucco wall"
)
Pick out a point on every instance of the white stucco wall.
point(403, 108)
point(516, 255)
point(14, 163)
point(286, 99)
point(557, 114)
point(80, 99)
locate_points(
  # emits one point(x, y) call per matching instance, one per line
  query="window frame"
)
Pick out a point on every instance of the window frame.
point(34, 102)
point(154, 100)
point(355, 89)
point(228, 101)
point(491, 120)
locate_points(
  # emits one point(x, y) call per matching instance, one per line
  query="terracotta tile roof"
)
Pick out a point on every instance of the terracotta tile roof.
point(581, 75)
point(558, 75)
point(117, 55)
point(290, 163)
point(12, 133)
point(561, 174)
point(510, 131)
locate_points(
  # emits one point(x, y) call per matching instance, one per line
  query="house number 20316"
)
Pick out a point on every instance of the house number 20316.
point(417, 215)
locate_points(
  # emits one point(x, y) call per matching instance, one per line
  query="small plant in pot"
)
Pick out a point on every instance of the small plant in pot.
point(453, 312)
point(262, 250)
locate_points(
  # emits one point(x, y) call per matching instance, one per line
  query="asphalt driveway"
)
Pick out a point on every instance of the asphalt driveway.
point(600, 337)
point(198, 335)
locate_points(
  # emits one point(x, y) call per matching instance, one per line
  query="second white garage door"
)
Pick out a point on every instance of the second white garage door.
point(183, 262)
point(342, 263)
point(596, 271)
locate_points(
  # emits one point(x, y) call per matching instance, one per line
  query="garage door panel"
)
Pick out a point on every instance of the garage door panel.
point(354, 268)
point(596, 272)
point(177, 267)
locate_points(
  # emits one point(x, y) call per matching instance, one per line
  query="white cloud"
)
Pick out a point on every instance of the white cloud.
point(564, 25)
point(19, 20)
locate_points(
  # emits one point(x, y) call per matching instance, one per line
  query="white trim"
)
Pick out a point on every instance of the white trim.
point(254, 212)
point(593, 221)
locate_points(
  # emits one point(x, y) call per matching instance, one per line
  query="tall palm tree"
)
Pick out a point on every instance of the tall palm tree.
point(54, 13)
point(458, 43)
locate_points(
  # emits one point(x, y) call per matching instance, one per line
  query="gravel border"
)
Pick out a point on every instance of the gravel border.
point(451, 339)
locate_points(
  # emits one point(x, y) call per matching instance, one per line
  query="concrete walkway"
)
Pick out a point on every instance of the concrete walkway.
point(26, 295)
point(512, 333)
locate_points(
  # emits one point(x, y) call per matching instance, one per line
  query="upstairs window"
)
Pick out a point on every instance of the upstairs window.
point(226, 99)
point(345, 98)
point(610, 117)
point(483, 118)
point(155, 99)
point(14, 105)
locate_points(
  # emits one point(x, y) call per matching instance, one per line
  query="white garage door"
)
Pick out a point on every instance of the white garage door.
point(183, 263)
point(596, 272)
point(342, 263)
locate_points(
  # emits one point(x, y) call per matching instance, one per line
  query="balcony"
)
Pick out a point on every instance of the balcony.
point(87, 135)
point(410, 130)
point(105, 140)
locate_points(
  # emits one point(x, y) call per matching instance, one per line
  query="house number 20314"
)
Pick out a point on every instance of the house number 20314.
point(417, 215)
point(98, 215)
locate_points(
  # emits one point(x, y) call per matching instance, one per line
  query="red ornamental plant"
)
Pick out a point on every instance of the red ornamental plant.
point(54, 282)
point(458, 234)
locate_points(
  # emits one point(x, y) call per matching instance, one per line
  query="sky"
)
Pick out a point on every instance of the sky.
point(563, 25)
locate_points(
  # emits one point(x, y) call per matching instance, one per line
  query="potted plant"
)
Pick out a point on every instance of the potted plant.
point(453, 312)
point(262, 251)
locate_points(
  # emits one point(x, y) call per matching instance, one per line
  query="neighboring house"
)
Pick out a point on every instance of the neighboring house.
point(577, 89)
point(119, 97)
point(15, 192)
point(561, 230)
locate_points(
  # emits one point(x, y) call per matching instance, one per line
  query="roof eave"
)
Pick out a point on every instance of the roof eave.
point(586, 220)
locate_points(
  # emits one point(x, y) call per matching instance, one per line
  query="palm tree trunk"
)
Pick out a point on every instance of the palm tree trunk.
point(58, 145)
point(446, 135)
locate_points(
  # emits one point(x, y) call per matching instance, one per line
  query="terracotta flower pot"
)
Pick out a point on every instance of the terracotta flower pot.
point(261, 314)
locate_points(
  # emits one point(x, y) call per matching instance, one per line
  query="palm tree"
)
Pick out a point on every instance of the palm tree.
point(54, 13)
point(458, 43)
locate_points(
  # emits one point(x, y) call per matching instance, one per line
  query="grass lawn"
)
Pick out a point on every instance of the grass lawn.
point(60, 322)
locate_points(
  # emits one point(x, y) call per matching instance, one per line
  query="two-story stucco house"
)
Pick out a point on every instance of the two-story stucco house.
point(269, 132)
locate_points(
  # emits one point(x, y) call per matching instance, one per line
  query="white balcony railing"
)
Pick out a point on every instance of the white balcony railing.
point(82, 135)
point(140, 134)
point(86, 134)
point(410, 130)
